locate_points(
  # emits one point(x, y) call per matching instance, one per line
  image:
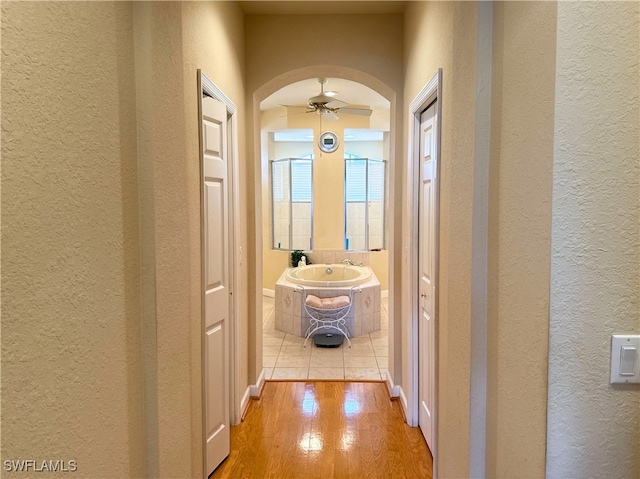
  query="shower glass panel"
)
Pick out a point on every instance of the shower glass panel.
point(364, 191)
point(292, 203)
point(281, 194)
point(375, 213)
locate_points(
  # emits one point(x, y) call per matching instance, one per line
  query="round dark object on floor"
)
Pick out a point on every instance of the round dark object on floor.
point(328, 340)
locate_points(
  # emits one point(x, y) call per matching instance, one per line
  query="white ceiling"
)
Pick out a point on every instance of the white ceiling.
point(297, 94)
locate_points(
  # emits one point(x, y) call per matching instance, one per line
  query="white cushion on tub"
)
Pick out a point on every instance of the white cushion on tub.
point(337, 302)
point(314, 301)
point(327, 303)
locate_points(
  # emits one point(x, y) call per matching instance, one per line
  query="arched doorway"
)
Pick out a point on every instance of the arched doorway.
point(260, 178)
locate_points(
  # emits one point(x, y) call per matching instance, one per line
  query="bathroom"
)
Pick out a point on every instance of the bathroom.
point(312, 161)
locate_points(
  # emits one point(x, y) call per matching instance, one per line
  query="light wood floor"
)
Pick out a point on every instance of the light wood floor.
point(325, 430)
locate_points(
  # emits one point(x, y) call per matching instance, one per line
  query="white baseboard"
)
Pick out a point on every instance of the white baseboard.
point(404, 402)
point(270, 293)
point(256, 389)
point(252, 390)
point(244, 402)
point(384, 293)
point(394, 391)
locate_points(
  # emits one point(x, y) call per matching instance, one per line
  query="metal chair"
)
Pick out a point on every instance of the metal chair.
point(326, 317)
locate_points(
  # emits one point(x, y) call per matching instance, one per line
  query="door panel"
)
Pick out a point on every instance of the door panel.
point(216, 282)
point(215, 412)
point(215, 247)
point(426, 284)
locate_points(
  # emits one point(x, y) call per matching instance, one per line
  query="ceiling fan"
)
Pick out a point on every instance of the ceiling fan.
point(327, 106)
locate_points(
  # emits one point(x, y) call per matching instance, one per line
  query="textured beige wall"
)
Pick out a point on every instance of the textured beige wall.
point(443, 35)
point(161, 114)
point(173, 40)
point(70, 297)
point(370, 43)
point(593, 426)
point(213, 41)
point(364, 48)
point(519, 223)
point(519, 245)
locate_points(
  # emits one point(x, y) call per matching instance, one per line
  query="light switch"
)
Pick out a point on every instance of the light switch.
point(625, 361)
point(628, 358)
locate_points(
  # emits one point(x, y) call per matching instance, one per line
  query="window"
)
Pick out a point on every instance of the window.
point(292, 203)
point(364, 204)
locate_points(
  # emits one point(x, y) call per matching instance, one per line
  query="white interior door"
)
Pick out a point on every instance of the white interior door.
point(216, 282)
point(426, 261)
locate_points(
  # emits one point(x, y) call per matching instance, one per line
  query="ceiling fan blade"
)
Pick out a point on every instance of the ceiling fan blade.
point(330, 116)
point(357, 111)
point(335, 103)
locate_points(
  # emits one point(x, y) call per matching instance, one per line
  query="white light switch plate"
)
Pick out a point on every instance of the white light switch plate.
point(625, 359)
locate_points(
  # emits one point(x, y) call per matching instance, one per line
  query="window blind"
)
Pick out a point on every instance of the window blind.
point(376, 180)
point(355, 188)
point(301, 181)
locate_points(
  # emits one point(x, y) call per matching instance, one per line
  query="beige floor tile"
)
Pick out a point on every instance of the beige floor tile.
point(321, 361)
point(359, 350)
point(285, 358)
point(383, 362)
point(293, 361)
point(295, 350)
point(380, 333)
point(268, 350)
point(290, 373)
point(268, 300)
point(361, 373)
point(380, 341)
point(291, 339)
point(269, 361)
point(271, 341)
point(365, 339)
point(381, 350)
point(273, 333)
point(326, 373)
point(325, 352)
point(360, 362)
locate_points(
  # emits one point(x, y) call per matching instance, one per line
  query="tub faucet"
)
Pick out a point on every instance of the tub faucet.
point(350, 263)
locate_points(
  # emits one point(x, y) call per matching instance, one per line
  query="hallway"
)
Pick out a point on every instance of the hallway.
point(325, 430)
point(104, 335)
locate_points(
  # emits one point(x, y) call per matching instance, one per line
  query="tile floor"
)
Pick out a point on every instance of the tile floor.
point(285, 358)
